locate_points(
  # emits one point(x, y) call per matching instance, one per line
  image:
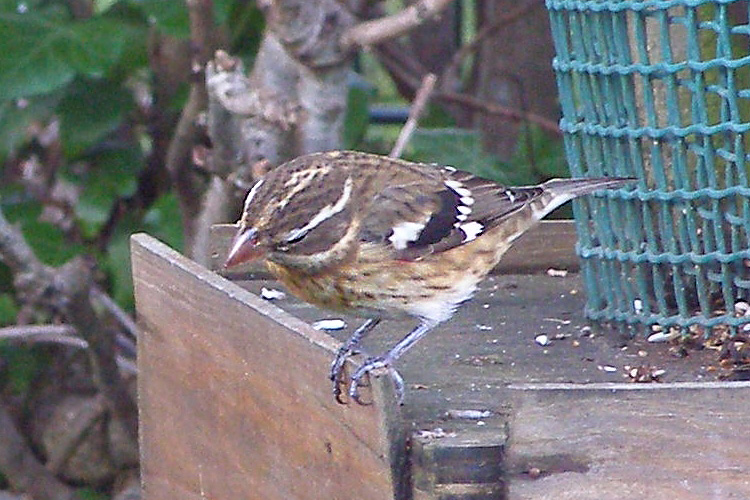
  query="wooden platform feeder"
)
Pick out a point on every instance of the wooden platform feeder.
point(515, 398)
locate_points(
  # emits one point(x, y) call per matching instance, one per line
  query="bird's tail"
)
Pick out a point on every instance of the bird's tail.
point(581, 186)
point(559, 191)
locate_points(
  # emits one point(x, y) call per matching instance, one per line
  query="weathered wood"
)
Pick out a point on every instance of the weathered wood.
point(467, 463)
point(550, 244)
point(629, 441)
point(235, 401)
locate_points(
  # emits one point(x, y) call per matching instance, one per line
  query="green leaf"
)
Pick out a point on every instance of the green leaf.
point(39, 54)
point(89, 112)
point(8, 309)
point(15, 117)
point(89, 493)
point(114, 175)
point(170, 16)
point(548, 151)
point(163, 220)
point(46, 240)
point(357, 116)
point(23, 362)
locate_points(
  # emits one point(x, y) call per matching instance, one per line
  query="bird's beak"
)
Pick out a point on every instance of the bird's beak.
point(244, 248)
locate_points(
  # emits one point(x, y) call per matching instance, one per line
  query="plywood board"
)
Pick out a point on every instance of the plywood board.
point(234, 397)
point(629, 441)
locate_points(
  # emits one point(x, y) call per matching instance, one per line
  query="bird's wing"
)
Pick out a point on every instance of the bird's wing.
point(438, 210)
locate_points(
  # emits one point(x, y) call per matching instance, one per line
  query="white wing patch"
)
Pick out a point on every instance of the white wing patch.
point(325, 213)
point(471, 230)
point(404, 233)
point(459, 188)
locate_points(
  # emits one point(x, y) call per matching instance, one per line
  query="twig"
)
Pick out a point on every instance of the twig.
point(378, 30)
point(487, 31)
point(417, 108)
point(123, 318)
point(75, 432)
point(21, 467)
point(408, 78)
point(56, 334)
point(67, 290)
point(179, 154)
point(495, 109)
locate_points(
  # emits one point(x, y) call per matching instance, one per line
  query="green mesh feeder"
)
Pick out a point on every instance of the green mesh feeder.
point(659, 90)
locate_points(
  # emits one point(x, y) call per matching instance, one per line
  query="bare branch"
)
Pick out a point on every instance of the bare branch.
point(487, 31)
point(179, 153)
point(495, 109)
point(92, 412)
point(417, 108)
point(123, 318)
point(55, 334)
point(67, 290)
point(378, 30)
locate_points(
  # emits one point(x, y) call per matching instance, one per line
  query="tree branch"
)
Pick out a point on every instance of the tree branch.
point(378, 30)
point(487, 31)
point(67, 290)
point(416, 110)
point(179, 153)
point(495, 109)
point(56, 334)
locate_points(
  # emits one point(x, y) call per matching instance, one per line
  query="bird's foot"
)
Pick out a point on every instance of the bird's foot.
point(337, 372)
point(370, 365)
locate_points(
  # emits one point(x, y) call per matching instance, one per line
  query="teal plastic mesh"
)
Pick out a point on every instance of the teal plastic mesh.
point(659, 90)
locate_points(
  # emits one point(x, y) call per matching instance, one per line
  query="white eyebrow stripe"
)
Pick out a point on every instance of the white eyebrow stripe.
point(252, 193)
point(325, 213)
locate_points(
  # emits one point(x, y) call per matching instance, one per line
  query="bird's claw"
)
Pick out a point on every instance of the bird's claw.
point(337, 370)
point(375, 363)
point(356, 381)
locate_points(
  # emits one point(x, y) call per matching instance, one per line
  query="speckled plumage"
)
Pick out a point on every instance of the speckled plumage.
point(382, 237)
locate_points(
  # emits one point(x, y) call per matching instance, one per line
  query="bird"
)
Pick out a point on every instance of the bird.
point(385, 238)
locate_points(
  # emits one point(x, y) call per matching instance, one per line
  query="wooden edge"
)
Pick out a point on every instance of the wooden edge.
point(616, 386)
point(384, 401)
point(551, 244)
point(628, 440)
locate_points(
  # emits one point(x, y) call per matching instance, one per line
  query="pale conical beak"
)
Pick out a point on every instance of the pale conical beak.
point(244, 248)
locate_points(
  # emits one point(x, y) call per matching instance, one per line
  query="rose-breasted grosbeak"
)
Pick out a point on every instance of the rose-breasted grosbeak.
point(383, 238)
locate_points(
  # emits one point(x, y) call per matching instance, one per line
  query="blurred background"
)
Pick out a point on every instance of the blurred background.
point(109, 125)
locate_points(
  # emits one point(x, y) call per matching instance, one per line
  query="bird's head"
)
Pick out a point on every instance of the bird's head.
point(295, 213)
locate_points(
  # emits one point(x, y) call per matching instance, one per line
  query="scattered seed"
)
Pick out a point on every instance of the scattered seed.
point(271, 294)
point(664, 336)
point(329, 324)
point(468, 414)
point(542, 339)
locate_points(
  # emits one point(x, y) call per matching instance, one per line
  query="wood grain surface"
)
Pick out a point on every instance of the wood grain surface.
point(234, 397)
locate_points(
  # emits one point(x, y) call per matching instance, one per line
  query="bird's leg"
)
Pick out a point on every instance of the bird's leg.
point(345, 350)
point(386, 361)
